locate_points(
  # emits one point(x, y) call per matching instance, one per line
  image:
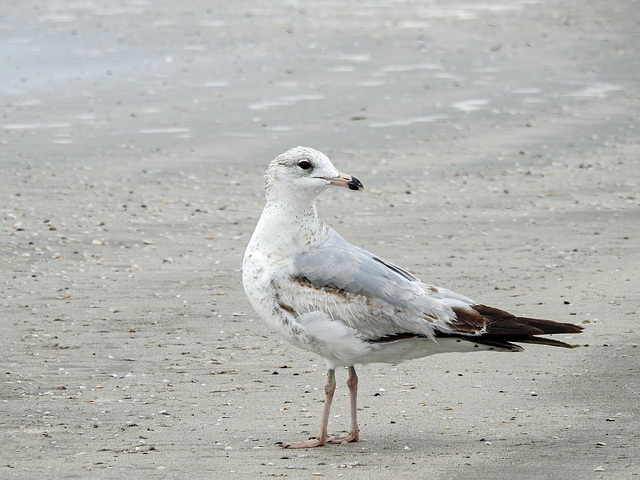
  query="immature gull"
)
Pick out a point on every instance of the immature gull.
point(349, 306)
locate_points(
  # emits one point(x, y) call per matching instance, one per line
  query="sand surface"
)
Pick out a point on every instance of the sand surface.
point(499, 145)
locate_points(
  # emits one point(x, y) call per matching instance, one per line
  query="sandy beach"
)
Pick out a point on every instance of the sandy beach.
point(498, 143)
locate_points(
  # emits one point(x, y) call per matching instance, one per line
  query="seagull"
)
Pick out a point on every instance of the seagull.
point(348, 305)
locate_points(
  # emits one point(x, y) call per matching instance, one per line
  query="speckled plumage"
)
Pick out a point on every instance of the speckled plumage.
point(347, 305)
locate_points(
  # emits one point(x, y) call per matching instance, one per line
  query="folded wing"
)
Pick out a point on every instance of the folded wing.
point(372, 296)
point(382, 301)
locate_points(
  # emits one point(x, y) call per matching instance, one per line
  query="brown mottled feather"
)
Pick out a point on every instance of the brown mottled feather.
point(501, 328)
point(468, 321)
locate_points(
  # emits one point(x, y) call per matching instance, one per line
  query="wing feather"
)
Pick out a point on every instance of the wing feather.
point(376, 298)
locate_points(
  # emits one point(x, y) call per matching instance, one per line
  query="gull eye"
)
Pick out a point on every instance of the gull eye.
point(304, 164)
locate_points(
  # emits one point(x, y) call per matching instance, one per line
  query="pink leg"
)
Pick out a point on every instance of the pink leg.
point(354, 431)
point(329, 390)
point(321, 439)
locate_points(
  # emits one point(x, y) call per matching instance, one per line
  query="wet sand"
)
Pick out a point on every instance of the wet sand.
point(498, 143)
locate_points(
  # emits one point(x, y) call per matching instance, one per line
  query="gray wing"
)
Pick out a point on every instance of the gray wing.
point(375, 297)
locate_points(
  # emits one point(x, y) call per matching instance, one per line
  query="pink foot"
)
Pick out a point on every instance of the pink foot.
point(311, 443)
point(314, 442)
point(344, 439)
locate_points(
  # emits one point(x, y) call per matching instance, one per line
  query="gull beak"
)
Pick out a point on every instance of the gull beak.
point(347, 181)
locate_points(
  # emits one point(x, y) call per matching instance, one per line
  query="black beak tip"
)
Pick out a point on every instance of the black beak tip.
point(355, 184)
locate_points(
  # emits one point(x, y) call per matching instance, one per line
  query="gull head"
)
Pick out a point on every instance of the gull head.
point(304, 173)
